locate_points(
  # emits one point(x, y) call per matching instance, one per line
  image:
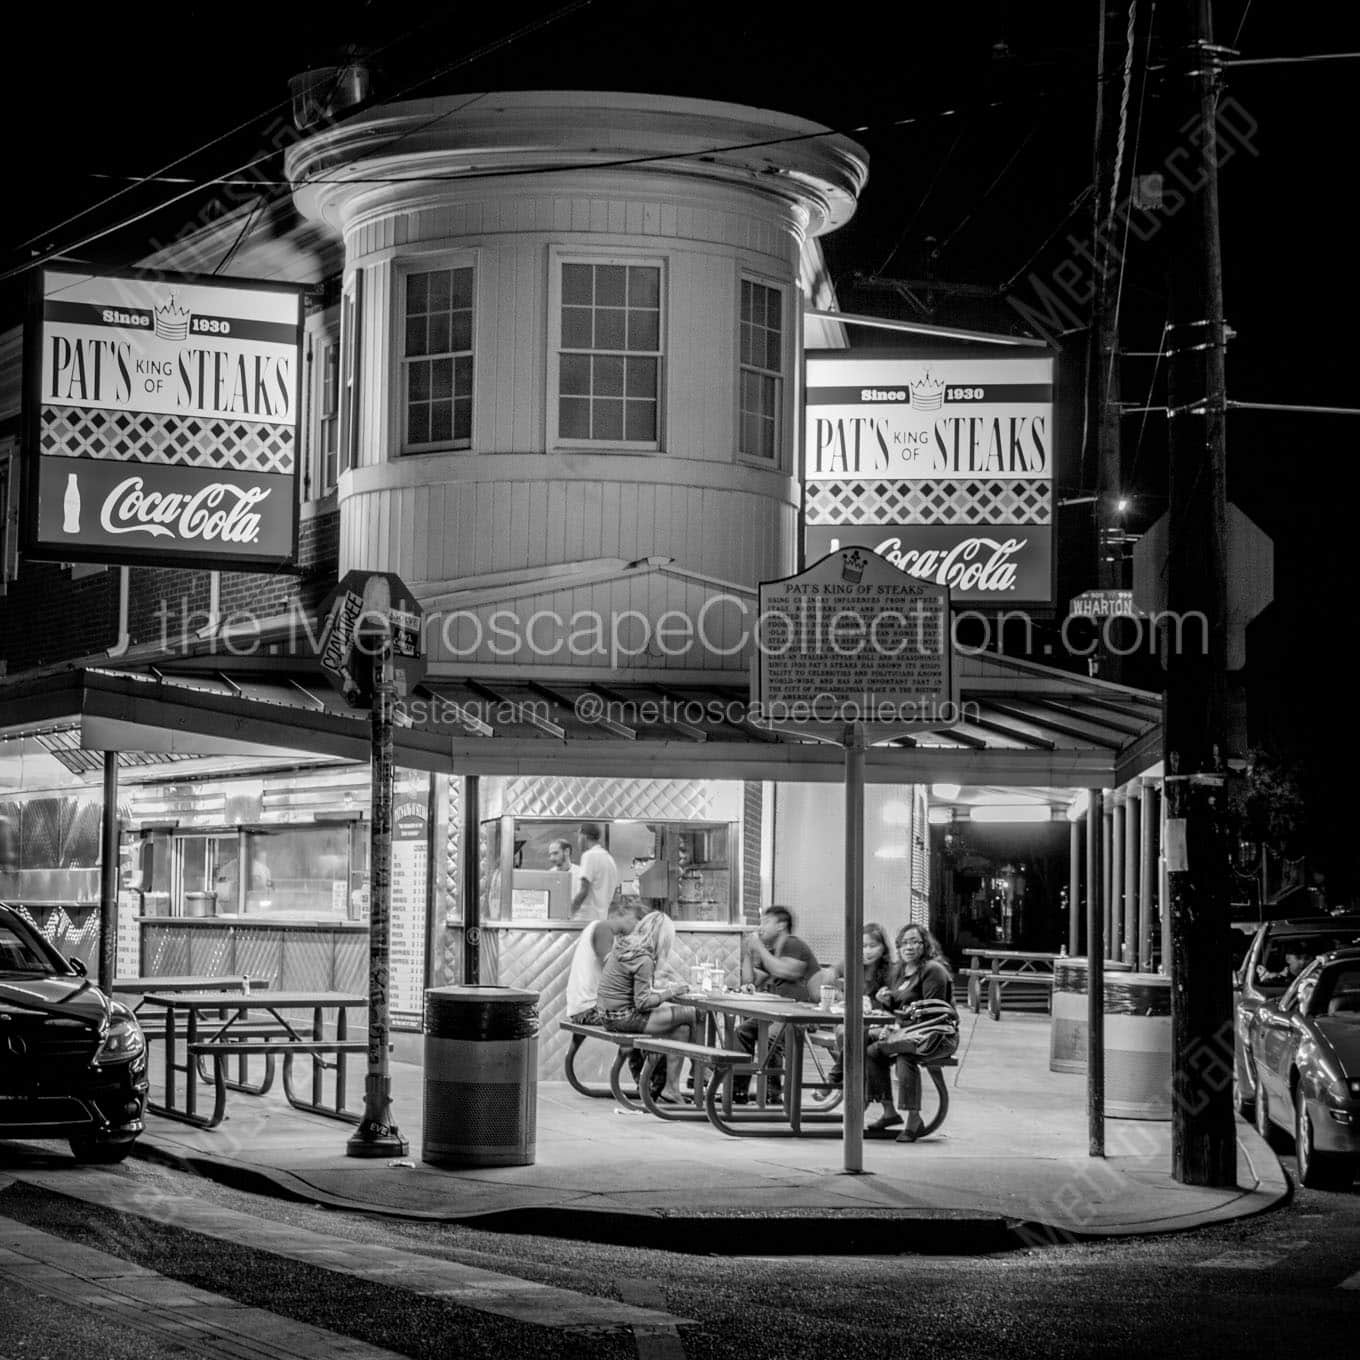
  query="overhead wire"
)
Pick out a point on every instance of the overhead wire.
point(216, 181)
point(925, 198)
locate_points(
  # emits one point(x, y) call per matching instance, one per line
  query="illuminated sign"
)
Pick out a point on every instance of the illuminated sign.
point(940, 462)
point(163, 420)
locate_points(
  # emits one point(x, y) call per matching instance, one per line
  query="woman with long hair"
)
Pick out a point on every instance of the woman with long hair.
point(877, 970)
point(922, 989)
point(632, 1001)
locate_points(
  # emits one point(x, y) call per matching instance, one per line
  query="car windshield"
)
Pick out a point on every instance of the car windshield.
point(1286, 953)
point(20, 954)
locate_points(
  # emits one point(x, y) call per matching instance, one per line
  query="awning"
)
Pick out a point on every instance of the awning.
point(1020, 724)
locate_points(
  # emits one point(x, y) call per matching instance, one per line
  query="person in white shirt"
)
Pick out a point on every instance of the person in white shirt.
point(559, 858)
point(587, 960)
point(599, 877)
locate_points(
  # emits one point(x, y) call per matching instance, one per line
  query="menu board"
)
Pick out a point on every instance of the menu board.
point(127, 962)
point(410, 881)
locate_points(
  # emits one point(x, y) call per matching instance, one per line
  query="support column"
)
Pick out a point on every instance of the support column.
point(1132, 817)
point(1095, 981)
point(1112, 939)
point(1073, 887)
point(108, 876)
point(1147, 876)
point(1106, 895)
point(1163, 884)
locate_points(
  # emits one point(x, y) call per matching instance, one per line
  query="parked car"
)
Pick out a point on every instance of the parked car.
point(72, 1062)
point(1263, 975)
point(1303, 1050)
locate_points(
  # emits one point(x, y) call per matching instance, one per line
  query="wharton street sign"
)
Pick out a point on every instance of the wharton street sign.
point(162, 417)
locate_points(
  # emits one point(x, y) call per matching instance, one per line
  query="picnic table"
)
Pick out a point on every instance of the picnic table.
point(724, 1012)
point(1001, 968)
point(219, 1025)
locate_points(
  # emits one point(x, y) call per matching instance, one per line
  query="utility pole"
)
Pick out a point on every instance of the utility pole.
point(1203, 1145)
point(1103, 378)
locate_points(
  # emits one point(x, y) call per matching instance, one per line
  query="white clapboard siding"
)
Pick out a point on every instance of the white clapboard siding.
point(447, 532)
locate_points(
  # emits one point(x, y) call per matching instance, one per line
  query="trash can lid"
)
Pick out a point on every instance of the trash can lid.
point(480, 994)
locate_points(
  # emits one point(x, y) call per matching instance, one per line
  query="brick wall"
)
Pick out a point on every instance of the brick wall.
point(47, 618)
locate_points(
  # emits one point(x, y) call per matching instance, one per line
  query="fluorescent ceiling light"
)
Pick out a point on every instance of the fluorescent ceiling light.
point(940, 816)
point(946, 791)
point(1017, 812)
point(891, 852)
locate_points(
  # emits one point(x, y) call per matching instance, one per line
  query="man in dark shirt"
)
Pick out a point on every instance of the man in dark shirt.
point(774, 960)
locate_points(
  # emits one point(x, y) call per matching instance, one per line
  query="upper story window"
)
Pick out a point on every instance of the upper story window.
point(609, 361)
point(328, 419)
point(437, 359)
point(762, 369)
point(351, 321)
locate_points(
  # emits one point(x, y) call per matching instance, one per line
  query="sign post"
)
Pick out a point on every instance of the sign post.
point(850, 651)
point(373, 621)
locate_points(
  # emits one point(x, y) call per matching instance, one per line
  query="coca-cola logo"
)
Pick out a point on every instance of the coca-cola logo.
point(971, 564)
point(218, 513)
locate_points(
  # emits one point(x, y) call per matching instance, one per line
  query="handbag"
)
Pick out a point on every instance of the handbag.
point(928, 1030)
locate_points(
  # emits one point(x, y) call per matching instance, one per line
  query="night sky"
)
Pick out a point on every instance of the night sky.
point(978, 118)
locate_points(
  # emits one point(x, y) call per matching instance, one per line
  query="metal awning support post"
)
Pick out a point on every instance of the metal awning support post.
point(377, 1134)
point(1095, 976)
point(852, 1121)
point(1073, 887)
point(108, 875)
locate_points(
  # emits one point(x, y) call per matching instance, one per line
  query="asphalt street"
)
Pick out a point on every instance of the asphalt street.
point(146, 1261)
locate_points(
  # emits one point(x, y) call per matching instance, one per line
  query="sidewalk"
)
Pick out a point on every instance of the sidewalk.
point(1009, 1167)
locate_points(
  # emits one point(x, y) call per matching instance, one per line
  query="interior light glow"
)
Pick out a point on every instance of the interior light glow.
point(946, 791)
point(896, 813)
point(1077, 808)
point(891, 852)
point(939, 816)
point(1016, 812)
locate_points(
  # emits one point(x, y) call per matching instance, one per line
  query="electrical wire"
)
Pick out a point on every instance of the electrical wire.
point(1292, 61)
point(158, 176)
point(987, 193)
point(240, 235)
point(925, 198)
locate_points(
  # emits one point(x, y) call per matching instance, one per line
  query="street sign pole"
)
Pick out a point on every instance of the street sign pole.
point(377, 1134)
point(852, 1118)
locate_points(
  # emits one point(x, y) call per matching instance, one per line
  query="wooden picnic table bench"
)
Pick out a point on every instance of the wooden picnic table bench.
point(622, 1042)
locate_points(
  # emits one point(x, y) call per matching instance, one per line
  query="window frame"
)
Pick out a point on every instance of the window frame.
point(351, 341)
point(327, 461)
point(780, 460)
point(403, 270)
point(558, 258)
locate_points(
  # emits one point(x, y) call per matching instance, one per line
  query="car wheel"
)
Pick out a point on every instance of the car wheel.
point(100, 1154)
point(1316, 1169)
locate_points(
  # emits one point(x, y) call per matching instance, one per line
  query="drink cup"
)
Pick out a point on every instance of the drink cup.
point(828, 998)
point(697, 977)
point(716, 980)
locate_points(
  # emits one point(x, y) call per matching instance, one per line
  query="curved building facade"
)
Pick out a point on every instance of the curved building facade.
point(572, 330)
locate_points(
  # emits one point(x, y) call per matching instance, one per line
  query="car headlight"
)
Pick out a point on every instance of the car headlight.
point(1353, 1086)
point(123, 1040)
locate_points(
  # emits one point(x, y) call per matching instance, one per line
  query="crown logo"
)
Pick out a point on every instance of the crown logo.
point(172, 322)
point(852, 566)
point(927, 393)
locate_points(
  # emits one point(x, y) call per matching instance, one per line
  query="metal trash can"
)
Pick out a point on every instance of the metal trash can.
point(1067, 1037)
point(481, 1077)
point(1138, 1046)
point(200, 904)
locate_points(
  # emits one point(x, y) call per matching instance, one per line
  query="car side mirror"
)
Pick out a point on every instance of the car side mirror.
point(79, 966)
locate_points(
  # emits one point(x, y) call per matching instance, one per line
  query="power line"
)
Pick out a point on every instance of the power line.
point(1291, 61)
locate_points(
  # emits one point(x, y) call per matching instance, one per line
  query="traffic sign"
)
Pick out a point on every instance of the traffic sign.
point(366, 608)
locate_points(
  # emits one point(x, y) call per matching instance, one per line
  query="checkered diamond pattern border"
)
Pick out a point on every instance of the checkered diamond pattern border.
point(974, 501)
point(195, 441)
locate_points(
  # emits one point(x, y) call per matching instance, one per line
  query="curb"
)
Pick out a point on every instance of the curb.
point(692, 1232)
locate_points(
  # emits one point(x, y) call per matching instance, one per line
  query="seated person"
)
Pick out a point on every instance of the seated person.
point(1298, 954)
point(921, 977)
point(631, 1000)
point(587, 960)
point(876, 973)
point(774, 960)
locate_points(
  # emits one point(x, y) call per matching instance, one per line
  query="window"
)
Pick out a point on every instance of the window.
point(351, 319)
point(329, 419)
point(609, 376)
point(437, 359)
point(762, 369)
